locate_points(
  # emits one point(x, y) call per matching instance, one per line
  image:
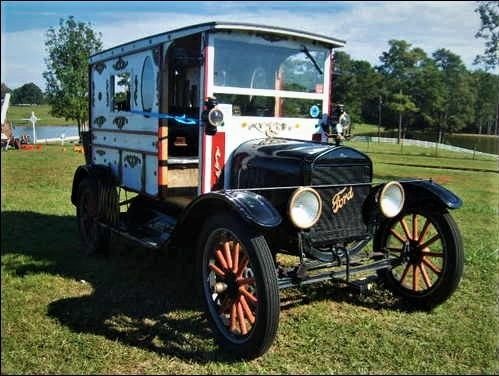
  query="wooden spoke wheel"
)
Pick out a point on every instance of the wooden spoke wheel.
point(239, 287)
point(429, 248)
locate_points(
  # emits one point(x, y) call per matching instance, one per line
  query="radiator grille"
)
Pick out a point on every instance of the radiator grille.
point(347, 223)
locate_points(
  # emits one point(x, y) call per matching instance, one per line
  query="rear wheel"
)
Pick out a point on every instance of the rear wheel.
point(239, 286)
point(96, 203)
point(430, 251)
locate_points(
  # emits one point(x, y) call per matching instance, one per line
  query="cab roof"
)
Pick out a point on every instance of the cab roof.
point(156, 39)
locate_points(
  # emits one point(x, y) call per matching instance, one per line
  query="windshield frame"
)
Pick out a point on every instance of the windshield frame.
point(277, 41)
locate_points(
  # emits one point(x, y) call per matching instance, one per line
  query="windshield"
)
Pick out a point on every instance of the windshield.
point(259, 64)
point(261, 76)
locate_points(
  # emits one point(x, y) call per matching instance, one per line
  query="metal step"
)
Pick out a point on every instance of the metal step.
point(147, 242)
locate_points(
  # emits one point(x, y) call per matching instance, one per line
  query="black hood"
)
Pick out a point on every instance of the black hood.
point(278, 162)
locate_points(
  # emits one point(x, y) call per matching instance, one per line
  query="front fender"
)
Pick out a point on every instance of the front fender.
point(425, 192)
point(251, 206)
point(418, 193)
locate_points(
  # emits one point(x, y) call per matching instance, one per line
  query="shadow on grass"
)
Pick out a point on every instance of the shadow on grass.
point(140, 298)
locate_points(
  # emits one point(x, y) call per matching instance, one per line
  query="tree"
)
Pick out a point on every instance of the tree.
point(428, 93)
point(402, 104)
point(489, 30)
point(28, 93)
point(399, 66)
point(357, 84)
point(486, 86)
point(69, 48)
point(5, 90)
point(457, 109)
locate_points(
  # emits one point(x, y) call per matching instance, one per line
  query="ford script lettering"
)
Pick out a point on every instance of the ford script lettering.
point(341, 198)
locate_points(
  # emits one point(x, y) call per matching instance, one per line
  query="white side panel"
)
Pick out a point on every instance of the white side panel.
point(129, 141)
point(133, 169)
point(131, 132)
point(107, 157)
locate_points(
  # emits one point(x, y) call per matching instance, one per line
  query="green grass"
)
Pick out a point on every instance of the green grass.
point(129, 313)
point(365, 129)
point(14, 113)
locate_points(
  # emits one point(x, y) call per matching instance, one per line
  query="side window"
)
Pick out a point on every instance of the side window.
point(147, 85)
point(120, 84)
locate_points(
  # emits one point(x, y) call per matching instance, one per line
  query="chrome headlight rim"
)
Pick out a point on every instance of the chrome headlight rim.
point(383, 192)
point(296, 194)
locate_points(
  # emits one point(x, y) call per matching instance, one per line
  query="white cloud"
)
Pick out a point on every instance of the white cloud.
point(366, 26)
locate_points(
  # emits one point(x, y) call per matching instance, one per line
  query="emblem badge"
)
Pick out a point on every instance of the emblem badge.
point(340, 199)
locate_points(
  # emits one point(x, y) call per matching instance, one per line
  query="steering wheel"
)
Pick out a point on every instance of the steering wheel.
point(258, 78)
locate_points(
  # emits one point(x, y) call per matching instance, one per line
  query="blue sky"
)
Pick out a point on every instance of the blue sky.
point(366, 26)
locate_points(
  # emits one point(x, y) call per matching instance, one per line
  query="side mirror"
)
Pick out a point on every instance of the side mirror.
point(211, 117)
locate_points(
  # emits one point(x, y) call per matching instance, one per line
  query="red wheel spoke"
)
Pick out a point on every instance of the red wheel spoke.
point(247, 294)
point(404, 273)
point(414, 227)
point(247, 309)
point(426, 278)
point(228, 257)
point(422, 235)
point(432, 266)
point(406, 229)
point(236, 258)
point(415, 281)
point(432, 254)
point(242, 323)
point(245, 281)
point(217, 270)
point(429, 242)
point(233, 317)
point(395, 233)
point(242, 266)
point(221, 259)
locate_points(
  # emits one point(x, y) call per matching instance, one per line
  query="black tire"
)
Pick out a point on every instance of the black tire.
point(89, 210)
point(433, 273)
point(249, 304)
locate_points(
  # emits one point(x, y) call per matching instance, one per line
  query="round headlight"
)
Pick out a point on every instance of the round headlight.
point(305, 207)
point(215, 117)
point(391, 199)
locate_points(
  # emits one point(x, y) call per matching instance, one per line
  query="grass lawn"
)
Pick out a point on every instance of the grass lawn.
point(63, 312)
point(41, 111)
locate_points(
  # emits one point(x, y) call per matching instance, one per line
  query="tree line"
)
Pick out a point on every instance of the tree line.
point(412, 91)
point(25, 94)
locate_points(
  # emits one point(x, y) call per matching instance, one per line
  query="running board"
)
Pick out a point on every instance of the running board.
point(144, 242)
point(287, 282)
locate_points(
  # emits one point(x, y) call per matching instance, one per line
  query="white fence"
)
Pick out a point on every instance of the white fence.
point(61, 139)
point(425, 144)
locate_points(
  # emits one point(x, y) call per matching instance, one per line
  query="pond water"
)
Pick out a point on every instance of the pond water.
point(46, 131)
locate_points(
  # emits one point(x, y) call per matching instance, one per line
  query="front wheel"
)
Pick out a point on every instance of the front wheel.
point(239, 284)
point(429, 247)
